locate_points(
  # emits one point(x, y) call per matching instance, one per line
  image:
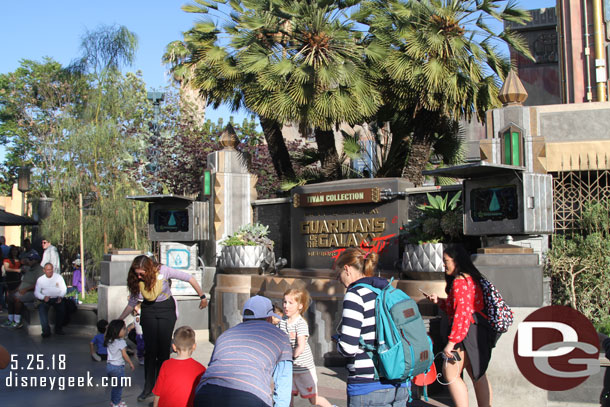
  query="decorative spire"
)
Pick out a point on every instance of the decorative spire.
point(513, 92)
point(228, 138)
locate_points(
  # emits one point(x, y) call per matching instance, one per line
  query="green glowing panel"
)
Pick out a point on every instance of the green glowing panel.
point(516, 149)
point(506, 138)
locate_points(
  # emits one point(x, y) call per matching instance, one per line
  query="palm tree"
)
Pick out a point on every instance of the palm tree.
point(200, 63)
point(443, 63)
point(288, 62)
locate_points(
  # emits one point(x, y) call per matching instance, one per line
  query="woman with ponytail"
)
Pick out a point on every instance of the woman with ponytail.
point(470, 332)
point(355, 266)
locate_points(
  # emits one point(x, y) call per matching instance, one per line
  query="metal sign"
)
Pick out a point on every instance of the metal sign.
point(352, 196)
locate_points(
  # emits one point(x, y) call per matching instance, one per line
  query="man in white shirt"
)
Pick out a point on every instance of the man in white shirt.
point(50, 255)
point(50, 289)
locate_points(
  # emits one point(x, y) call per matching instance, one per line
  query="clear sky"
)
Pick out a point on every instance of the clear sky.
point(37, 28)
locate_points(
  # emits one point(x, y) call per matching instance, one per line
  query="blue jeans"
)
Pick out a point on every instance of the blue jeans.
point(392, 397)
point(43, 312)
point(213, 395)
point(118, 372)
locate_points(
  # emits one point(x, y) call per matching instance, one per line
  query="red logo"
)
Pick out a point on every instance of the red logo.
point(556, 348)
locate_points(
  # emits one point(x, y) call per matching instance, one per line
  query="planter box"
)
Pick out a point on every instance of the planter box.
point(423, 258)
point(243, 259)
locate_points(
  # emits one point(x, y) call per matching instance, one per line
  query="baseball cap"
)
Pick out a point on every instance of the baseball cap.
point(259, 307)
point(33, 255)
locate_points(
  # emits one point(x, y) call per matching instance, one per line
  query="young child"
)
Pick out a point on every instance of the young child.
point(179, 376)
point(304, 377)
point(98, 350)
point(117, 357)
point(139, 334)
point(279, 311)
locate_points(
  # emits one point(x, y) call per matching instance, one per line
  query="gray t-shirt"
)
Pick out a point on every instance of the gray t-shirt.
point(115, 356)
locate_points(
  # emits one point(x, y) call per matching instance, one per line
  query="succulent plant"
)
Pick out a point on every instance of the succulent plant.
point(440, 221)
point(249, 235)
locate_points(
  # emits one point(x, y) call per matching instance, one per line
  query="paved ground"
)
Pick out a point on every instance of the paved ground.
point(39, 362)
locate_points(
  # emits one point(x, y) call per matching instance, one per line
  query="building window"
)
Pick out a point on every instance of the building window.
point(512, 146)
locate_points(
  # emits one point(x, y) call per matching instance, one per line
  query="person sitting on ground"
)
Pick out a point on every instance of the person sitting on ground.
point(178, 377)
point(245, 359)
point(50, 289)
point(99, 352)
point(24, 294)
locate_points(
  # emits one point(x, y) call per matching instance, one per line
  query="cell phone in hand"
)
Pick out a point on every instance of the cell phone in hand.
point(456, 356)
point(423, 292)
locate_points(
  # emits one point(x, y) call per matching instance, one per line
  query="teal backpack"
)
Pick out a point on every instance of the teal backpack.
point(403, 349)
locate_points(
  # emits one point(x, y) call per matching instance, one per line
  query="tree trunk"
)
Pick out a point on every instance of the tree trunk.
point(419, 155)
point(329, 158)
point(399, 149)
point(277, 148)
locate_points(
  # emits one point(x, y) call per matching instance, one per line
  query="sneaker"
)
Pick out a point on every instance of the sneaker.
point(144, 395)
point(8, 324)
point(18, 325)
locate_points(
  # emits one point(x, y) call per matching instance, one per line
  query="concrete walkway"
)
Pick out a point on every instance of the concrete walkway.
point(40, 365)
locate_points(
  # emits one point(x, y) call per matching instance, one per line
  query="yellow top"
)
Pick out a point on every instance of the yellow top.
point(154, 292)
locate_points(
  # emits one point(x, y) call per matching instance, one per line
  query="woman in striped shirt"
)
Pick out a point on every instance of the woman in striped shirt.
point(355, 266)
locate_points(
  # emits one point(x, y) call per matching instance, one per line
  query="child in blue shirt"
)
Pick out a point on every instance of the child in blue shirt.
point(98, 350)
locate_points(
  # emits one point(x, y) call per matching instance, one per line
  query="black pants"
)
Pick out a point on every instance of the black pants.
point(157, 320)
point(212, 395)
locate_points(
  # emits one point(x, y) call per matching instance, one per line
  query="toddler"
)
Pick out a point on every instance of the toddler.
point(139, 334)
point(277, 310)
point(179, 376)
point(117, 357)
point(98, 350)
point(304, 377)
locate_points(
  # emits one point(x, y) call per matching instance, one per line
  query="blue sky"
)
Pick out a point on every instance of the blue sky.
point(35, 29)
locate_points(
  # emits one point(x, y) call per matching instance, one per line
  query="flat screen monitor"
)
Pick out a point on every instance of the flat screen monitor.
point(171, 220)
point(494, 203)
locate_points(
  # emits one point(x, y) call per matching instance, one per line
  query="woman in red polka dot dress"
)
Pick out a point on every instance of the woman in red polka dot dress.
point(470, 332)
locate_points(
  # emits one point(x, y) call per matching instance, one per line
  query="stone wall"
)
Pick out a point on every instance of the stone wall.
point(275, 213)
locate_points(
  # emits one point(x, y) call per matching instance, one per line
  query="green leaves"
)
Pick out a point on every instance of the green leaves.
point(312, 64)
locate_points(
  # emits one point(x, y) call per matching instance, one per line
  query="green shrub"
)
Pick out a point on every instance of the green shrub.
point(579, 267)
point(249, 235)
point(90, 296)
point(441, 221)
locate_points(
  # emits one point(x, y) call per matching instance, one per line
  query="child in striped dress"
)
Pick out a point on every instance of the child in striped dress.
point(304, 377)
